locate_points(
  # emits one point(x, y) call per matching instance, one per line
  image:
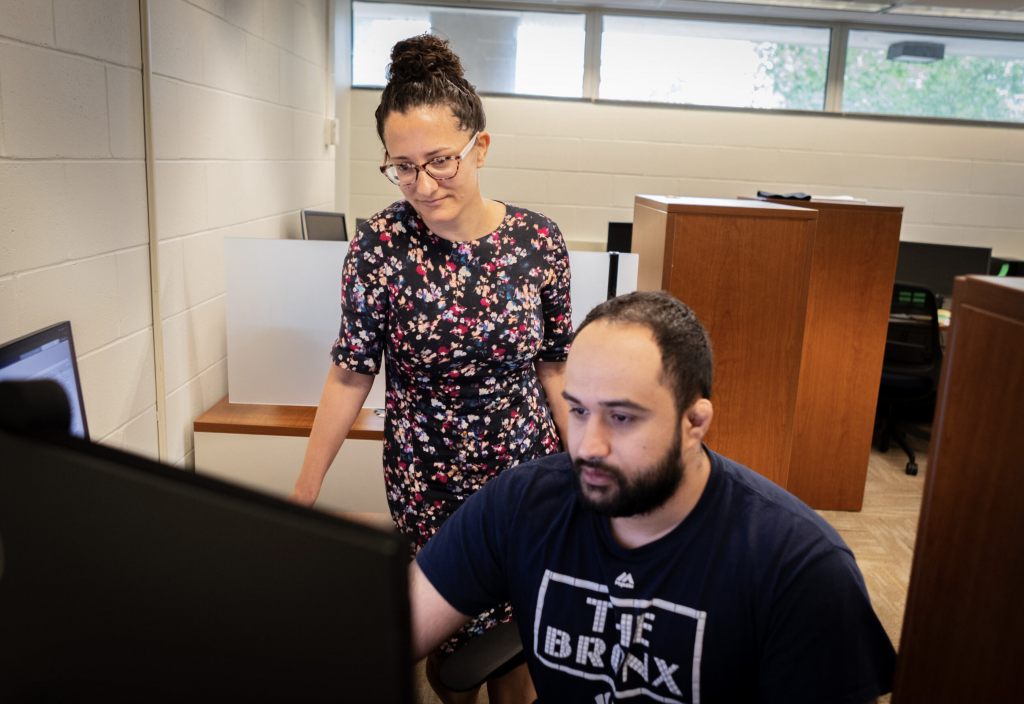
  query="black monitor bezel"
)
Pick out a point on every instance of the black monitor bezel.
point(10, 351)
point(947, 252)
point(326, 213)
point(140, 470)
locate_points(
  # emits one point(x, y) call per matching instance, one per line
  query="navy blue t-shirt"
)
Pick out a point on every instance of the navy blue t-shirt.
point(752, 598)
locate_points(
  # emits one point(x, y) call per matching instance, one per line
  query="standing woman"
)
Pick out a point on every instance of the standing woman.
point(468, 301)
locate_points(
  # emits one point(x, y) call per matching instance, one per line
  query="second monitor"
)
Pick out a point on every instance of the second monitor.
point(323, 225)
point(937, 265)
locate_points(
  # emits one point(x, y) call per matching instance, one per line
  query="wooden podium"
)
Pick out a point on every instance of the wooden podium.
point(962, 630)
point(744, 267)
point(852, 272)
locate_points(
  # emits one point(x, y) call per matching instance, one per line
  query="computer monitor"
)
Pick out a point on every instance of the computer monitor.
point(1005, 266)
point(323, 225)
point(936, 265)
point(620, 237)
point(48, 354)
point(123, 580)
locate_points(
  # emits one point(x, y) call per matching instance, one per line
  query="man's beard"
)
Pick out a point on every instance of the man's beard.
point(648, 491)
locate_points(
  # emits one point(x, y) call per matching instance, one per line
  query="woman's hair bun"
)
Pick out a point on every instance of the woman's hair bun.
point(417, 58)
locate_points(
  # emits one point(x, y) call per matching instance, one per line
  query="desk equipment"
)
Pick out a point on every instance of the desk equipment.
point(936, 265)
point(961, 633)
point(323, 225)
point(1005, 266)
point(48, 354)
point(852, 272)
point(744, 267)
point(125, 580)
point(620, 237)
point(913, 358)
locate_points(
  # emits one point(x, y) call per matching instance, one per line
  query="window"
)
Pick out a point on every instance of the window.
point(892, 73)
point(658, 59)
point(714, 63)
point(504, 51)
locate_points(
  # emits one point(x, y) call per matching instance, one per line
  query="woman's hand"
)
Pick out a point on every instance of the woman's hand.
point(343, 395)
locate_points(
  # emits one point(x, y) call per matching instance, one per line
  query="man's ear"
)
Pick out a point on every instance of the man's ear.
point(483, 141)
point(697, 420)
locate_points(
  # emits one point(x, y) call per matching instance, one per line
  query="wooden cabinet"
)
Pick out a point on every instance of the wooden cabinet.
point(961, 637)
point(744, 268)
point(852, 272)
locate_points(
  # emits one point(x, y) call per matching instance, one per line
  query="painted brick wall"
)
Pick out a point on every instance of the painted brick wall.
point(73, 215)
point(582, 163)
point(240, 97)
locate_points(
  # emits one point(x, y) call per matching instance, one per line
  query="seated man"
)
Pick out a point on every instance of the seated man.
point(643, 566)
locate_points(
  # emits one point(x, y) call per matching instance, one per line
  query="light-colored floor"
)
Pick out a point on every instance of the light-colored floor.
point(881, 536)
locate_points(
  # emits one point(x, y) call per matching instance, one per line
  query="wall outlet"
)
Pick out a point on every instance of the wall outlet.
point(331, 133)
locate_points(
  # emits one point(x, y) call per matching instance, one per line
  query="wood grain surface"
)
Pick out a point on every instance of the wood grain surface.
point(746, 276)
point(723, 206)
point(296, 421)
point(852, 273)
point(961, 636)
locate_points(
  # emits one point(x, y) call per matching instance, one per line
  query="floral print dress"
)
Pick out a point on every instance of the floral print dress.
point(460, 325)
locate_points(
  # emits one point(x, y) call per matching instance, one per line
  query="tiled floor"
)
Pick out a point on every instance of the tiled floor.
point(881, 536)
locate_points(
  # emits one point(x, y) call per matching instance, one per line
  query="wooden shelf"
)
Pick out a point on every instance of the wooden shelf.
point(295, 421)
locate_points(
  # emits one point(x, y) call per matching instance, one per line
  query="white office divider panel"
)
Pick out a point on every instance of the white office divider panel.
point(590, 272)
point(283, 309)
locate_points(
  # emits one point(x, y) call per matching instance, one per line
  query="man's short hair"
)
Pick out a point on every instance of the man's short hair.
point(687, 365)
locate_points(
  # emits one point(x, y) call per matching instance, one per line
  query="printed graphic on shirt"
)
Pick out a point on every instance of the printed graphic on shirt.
point(624, 580)
point(647, 648)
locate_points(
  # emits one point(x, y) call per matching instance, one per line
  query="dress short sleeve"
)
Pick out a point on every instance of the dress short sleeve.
point(557, 307)
point(364, 305)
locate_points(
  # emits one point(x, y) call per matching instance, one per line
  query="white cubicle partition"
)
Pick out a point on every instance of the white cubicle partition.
point(589, 282)
point(283, 307)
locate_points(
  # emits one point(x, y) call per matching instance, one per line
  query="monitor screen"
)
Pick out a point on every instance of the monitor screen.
point(937, 265)
point(48, 354)
point(323, 225)
point(620, 237)
point(123, 580)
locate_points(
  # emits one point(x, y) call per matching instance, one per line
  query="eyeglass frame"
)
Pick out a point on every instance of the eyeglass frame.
point(423, 167)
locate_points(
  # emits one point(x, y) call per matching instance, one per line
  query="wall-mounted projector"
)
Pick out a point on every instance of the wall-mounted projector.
point(916, 52)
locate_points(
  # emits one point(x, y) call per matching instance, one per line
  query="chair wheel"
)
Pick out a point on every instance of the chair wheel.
point(912, 468)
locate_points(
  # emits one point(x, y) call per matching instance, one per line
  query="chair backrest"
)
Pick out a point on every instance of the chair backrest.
point(913, 335)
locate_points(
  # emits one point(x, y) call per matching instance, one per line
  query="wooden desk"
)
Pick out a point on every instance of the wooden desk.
point(262, 447)
point(848, 302)
point(961, 633)
point(293, 421)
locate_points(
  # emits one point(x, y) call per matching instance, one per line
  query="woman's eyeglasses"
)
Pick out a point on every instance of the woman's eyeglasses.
point(439, 168)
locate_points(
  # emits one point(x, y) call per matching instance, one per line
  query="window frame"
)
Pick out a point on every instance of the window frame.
point(454, 5)
point(839, 22)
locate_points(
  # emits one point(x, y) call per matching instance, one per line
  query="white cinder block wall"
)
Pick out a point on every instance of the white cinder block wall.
point(582, 163)
point(73, 214)
point(240, 95)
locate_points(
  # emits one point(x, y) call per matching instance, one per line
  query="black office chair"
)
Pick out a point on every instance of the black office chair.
point(913, 359)
point(496, 652)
